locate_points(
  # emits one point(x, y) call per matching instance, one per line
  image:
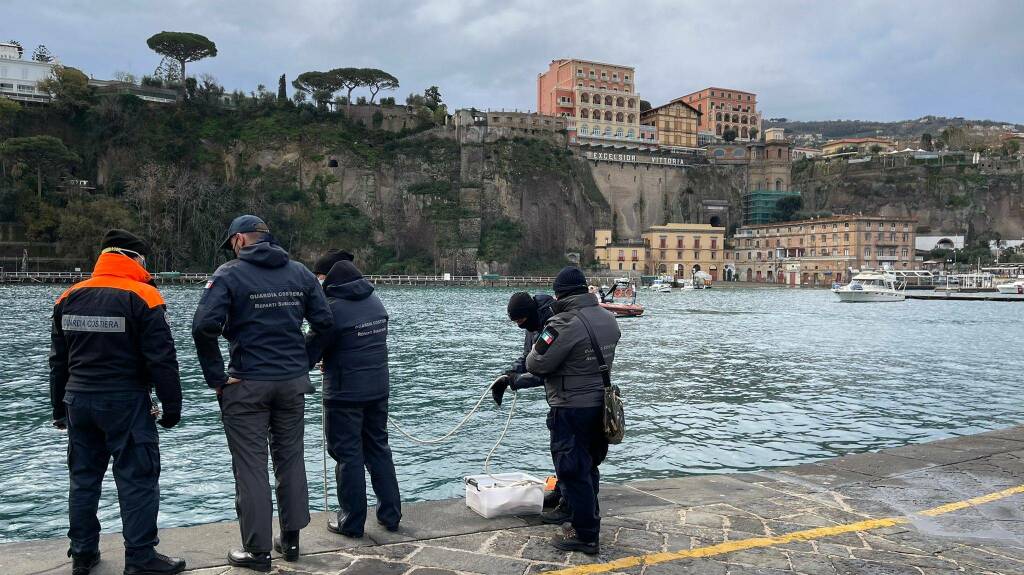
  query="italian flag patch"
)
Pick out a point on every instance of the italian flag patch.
point(547, 337)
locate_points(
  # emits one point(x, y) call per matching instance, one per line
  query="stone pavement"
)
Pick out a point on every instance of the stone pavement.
point(951, 506)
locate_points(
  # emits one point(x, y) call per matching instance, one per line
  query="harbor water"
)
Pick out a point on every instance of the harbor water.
point(720, 380)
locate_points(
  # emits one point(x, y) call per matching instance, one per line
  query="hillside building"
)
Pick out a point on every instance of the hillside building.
point(858, 145)
point(599, 100)
point(20, 77)
point(676, 124)
point(725, 109)
point(822, 251)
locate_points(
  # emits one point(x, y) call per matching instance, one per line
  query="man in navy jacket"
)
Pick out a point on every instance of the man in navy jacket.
point(356, 387)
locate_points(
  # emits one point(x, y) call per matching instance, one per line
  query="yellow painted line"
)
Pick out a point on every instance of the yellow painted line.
point(756, 542)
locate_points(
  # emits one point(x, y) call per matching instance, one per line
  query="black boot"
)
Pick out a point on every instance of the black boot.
point(568, 540)
point(288, 545)
point(254, 561)
point(391, 528)
point(82, 564)
point(335, 527)
point(558, 515)
point(158, 565)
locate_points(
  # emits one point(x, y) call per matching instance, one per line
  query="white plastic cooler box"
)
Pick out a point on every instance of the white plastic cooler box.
point(501, 494)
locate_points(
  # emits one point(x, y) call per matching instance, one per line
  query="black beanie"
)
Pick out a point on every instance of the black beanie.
point(343, 272)
point(324, 264)
point(125, 240)
point(570, 281)
point(521, 306)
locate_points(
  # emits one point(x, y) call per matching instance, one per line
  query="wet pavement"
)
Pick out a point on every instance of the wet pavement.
point(951, 506)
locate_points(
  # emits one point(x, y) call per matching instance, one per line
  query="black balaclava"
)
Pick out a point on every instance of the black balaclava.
point(522, 305)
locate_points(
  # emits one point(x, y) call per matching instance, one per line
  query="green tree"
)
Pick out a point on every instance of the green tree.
point(729, 135)
point(377, 80)
point(69, 88)
point(183, 47)
point(9, 109)
point(348, 79)
point(645, 105)
point(954, 137)
point(320, 86)
point(282, 89)
point(787, 207)
point(875, 148)
point(44, 154)
point(753, 133)
point(926, 142)
point(432, 95)
point(42, 54)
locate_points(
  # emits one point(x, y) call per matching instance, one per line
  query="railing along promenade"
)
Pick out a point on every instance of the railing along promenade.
point(193, 278)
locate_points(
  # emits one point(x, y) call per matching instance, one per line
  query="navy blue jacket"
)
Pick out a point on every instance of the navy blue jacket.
point(258, 302)
point(355, 350)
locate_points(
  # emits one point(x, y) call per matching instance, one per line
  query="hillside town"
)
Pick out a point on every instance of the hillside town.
point(766, 233)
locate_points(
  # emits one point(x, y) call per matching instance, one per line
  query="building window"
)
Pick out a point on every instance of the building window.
point(679, 255)
point(584, 98)
point(584, 113)
point(629, 134)
point(584, 131)
point(619, 117)
point(618, 132)
point(867, 251)
point(904, 253)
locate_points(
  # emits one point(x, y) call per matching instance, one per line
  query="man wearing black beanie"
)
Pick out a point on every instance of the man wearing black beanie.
point(324, 263)
point(564, 357)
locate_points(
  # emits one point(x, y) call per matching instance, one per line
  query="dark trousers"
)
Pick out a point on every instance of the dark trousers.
point(578, 447)
point(357, 437)
point(256, 413)
point(118, 425)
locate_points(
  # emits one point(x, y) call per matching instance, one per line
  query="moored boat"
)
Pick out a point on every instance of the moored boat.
point(621, 299)
point(871, 286)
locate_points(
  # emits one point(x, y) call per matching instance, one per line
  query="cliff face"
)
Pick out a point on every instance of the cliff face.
point(477, 202)
point(981, 199)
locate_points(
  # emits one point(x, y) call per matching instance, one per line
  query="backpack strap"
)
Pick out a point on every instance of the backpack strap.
point(605, 370)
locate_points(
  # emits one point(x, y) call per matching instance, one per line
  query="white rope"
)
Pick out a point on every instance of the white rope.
point(323, 434)
point(446, 436)
point(504, 430)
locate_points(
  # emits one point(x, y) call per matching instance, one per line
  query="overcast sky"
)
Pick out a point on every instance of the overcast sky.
point(875, 60)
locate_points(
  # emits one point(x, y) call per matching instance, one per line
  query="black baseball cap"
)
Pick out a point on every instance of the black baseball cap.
point(243, 225)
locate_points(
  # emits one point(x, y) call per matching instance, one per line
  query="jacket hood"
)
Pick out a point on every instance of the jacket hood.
point(264, 254)
point(541, 314)
point(574, 302)
point(120, 265)
point(354, 290)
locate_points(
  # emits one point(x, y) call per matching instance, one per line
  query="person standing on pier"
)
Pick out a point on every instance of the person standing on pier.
point(258, 302)
point(109, 344)
point(356, 389)
point(574, 382)
point(530, 313)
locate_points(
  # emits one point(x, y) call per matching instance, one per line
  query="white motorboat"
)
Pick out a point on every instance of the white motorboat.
point(871, 286)
point(660, 286)
point(1014, 287)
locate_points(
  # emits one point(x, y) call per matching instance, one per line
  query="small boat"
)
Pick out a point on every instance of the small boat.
point(621, 299)
point(871, 286)
point(1014, 287)
point(660, 286)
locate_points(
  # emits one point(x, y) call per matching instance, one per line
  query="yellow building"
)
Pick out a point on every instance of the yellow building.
point(676, 124)
point(672, 249)
point(622, 255)
point(682, 249)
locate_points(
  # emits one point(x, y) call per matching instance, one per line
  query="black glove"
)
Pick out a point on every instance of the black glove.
point(169, 419)
point(61, 424)
point(498, 388)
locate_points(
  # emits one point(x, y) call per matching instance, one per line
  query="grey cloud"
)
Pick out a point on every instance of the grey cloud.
point(806, 60)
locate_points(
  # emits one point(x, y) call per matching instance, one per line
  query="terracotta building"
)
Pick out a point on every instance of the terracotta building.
point(672, 249)
point(600, 100)
point(676, 124)
point(822, 251)
point(724, 109)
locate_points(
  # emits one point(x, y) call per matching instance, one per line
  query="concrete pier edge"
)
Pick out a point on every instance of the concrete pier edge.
point(694, 524)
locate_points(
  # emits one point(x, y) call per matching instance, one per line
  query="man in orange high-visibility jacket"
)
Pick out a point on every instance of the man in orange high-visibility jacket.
point(110, 344)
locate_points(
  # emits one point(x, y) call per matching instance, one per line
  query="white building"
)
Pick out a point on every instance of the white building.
point(929, 243)
point(20, 77)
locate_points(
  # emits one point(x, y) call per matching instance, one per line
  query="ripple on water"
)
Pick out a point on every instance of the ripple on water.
point(716, 381)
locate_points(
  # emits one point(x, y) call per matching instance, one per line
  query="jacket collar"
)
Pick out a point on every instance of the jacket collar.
point(120, 265)
point(574, 302)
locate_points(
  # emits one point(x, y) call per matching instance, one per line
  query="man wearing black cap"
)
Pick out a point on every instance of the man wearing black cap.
point(564, 356)
point(325, 262)
point(356, 387)
point(258, 302)
point(110, 343)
